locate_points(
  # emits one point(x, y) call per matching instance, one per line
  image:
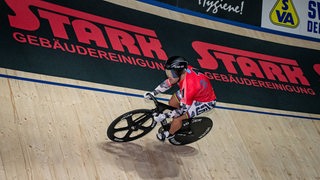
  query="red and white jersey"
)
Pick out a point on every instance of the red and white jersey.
point(195, 87)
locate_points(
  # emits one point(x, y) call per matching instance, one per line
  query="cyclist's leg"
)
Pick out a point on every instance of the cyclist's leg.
point(175, 99)
point(174, 102)
point(176, 123)
point(195, 109)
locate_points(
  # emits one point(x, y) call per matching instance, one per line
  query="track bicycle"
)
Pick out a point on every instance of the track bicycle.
point(137, 123)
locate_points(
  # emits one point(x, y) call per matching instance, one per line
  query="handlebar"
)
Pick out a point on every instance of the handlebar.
point(156, 102)
point(160, 107)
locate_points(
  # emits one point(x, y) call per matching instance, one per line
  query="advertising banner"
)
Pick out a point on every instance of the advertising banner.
point(244, 11)
point(300, 17)
point(101, 42)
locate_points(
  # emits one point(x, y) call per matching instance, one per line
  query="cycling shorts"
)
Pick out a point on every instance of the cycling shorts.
point(196, 107)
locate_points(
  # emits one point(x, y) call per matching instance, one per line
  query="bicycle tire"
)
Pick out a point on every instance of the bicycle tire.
point(133, 124)
point(192, 130)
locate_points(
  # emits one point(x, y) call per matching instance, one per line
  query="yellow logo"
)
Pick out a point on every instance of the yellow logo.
point(283, 13)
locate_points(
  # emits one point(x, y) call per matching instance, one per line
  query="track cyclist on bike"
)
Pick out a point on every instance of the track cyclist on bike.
point(194, 97)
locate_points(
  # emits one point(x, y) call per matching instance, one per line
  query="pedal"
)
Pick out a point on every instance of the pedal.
point(164, 128)
point(160, 130)
point(161, 137)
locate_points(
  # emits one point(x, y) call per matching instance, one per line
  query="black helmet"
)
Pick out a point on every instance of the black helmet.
point(175, 66)
point(177, 63)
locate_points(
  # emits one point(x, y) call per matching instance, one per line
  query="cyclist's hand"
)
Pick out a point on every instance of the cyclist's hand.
point(159, 117)
point(148, 95)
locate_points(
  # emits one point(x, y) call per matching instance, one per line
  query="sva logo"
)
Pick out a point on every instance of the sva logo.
point(284, 13)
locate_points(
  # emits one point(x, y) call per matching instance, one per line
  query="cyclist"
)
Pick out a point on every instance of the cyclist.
point(194, 97)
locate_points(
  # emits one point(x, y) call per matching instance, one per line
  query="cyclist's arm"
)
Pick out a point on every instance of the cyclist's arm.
point(163, 87)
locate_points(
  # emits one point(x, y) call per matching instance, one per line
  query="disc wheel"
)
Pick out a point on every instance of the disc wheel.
point(131, 125)
point(192, 130)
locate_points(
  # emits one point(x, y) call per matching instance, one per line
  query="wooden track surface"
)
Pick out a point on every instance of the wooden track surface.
point(58, 132)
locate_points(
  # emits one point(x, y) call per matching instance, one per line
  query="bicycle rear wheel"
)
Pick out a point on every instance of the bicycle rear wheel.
point(192, 130)
point(131, 125)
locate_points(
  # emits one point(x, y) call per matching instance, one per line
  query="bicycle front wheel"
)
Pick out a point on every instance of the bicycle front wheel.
point(131, 125)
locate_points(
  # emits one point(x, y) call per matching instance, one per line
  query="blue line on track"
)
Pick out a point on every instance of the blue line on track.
point(141, 96)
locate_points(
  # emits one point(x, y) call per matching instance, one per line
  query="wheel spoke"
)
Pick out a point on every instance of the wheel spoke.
point(143, 128)
point(128, 134)
point(129, 121)
point(142, 118)
point(122, 129)
point(141, 121)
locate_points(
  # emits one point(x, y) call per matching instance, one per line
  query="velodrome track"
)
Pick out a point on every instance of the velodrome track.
point(54, 128)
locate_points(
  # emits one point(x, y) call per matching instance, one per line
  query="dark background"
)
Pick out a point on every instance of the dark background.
point(176, 38)
point(251, 13)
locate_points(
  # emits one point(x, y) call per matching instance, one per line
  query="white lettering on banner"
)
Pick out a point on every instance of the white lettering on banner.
point(215, 6)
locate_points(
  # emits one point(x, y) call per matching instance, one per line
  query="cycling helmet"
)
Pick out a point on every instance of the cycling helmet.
point(175, 66)
point(176, 63)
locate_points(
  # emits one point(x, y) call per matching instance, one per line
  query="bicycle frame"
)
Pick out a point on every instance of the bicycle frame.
point(160, 107)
